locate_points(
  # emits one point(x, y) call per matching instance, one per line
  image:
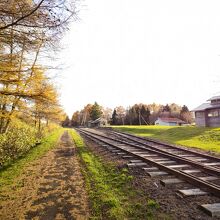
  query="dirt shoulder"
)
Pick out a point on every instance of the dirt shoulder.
point(50, 188)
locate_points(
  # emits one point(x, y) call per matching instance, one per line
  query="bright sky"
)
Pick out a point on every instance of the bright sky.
point(124, 52)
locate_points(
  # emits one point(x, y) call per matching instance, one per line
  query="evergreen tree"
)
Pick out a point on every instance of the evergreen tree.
point(66, 122)
point(114, 117)
point(166, 108)
point(96, 111)
point(145, 113)
point(184, 109)
point(147, 116)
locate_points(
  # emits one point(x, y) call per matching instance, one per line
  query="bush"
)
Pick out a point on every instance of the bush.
point(17, 141)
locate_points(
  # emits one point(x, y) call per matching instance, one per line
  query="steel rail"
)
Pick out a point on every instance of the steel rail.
point(169, 145)
point(210, 187)
point(194, 162)
point(206, 168)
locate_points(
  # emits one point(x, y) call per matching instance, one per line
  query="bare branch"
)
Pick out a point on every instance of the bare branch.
point(23, 17)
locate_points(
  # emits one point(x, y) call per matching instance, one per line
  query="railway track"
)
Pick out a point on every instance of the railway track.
point(169, 147)
point(178, 164)
point(201, 160)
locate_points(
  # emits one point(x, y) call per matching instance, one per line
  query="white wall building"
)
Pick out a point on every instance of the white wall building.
point(169, 121)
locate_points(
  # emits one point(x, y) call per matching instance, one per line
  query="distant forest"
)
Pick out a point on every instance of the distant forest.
point(138, 114)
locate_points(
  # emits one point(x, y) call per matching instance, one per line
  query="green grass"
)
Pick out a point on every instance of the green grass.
point(199, 137)
point(110, 190)
point(10, 172)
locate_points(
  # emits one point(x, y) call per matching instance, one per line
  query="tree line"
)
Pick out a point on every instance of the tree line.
point(138, 114)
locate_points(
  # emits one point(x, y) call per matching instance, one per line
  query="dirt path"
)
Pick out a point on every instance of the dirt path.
point(53, 188)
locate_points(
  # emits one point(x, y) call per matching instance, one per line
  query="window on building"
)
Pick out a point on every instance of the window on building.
point(215, 101)
point(213, 113)
point(199, 114)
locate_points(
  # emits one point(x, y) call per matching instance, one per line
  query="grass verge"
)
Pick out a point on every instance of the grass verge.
point(198, 137)
point(10, 172)
point(110, 190)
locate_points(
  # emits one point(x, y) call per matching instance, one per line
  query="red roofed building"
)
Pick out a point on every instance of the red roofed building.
point(169, 121)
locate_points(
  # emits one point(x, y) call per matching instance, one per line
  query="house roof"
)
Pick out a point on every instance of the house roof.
point(208, 105)
point(205, 106)
point(214, 98)
point(176, 120)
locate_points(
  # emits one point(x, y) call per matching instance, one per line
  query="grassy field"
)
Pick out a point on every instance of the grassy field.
point(109, 189)
point(199, 137)
point(10, 172)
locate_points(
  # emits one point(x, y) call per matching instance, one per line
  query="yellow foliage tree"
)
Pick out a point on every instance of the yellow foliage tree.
point(27, 27)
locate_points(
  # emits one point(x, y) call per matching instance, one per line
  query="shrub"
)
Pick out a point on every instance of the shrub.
point(17, 141)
